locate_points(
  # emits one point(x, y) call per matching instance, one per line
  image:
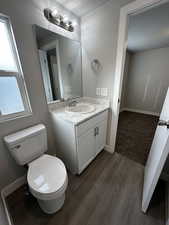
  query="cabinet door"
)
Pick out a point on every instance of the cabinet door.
point(85, 149)
point(101, 130)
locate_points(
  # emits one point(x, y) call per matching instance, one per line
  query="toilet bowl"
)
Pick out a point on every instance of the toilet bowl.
point(46, 176)
point(47, 181)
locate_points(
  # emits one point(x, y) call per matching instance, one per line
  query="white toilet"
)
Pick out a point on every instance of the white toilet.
point(47, 176)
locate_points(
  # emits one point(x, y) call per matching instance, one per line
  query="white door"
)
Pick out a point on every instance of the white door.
point(85, 149)
point(157, 156)
point(101, 129)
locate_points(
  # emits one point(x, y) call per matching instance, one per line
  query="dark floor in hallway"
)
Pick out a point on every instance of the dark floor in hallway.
point(135, 134)
point(108, 192)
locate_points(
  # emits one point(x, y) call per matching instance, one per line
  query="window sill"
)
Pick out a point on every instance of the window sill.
point(15, 116)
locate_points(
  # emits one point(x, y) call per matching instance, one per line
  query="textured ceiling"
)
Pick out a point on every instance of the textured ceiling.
point(81, 7)
point(149, 29)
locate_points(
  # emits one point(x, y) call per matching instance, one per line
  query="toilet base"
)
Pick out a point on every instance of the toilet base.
point(52, 206)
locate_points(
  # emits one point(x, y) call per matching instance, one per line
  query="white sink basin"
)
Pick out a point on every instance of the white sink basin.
point(81, 108)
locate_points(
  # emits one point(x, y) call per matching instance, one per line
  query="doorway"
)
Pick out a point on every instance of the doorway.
point(145, 81)
point(135, 134)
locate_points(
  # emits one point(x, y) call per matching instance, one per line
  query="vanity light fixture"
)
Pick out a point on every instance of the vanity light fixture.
point(59, 20)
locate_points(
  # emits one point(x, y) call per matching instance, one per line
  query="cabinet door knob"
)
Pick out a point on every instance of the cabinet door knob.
point(95, 131)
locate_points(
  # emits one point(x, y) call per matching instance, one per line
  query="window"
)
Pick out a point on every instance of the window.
point(14, 101)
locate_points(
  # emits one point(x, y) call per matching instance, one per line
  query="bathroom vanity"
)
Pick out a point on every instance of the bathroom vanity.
point(81, 128)
point(80, 136)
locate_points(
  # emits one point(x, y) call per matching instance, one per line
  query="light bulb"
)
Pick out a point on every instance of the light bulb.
point(54, 12)
point(74, 23)
point(65, 19)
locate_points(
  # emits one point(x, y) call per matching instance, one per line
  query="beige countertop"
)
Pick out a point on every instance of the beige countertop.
point(76, 118)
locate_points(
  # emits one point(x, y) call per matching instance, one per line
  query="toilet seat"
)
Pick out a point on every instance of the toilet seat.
point(47, 177)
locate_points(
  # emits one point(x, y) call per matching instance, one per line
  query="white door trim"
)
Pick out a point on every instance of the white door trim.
point(131, 8)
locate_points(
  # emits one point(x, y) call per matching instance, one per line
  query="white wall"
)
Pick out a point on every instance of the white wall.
point(23, 15)
point(148, 80)
point(99, 32)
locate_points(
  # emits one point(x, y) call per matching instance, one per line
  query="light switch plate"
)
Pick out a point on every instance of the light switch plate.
point(104, 92)
point(98, 91)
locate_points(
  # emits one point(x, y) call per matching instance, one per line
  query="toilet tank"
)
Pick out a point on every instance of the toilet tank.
point(28, 144)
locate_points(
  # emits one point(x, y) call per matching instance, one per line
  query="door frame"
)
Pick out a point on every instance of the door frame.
point(132, 8)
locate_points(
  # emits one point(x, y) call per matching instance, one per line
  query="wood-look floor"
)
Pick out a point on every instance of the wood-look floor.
point(135, 134)
point(108, 192)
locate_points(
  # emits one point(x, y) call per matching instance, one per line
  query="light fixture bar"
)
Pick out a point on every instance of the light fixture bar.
point(58, 19)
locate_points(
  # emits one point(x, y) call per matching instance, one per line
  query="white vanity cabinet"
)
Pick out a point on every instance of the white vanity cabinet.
point(91, 139)
point(85, 149)
point(78, 144)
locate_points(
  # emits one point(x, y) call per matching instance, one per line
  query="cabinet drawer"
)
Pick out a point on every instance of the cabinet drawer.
point(88, 124)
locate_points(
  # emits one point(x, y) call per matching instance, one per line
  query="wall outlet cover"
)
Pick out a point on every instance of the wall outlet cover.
point(104, 92)
point(98, 91)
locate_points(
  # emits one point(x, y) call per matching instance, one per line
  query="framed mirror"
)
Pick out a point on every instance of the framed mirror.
point(60, 61)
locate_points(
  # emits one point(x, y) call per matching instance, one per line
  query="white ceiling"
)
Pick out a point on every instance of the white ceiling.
point(149, 29)
point(81, 7)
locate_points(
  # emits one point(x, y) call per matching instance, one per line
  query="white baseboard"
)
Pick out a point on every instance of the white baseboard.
point(121, 110)
point(9, 189)
point(109, 149)
point(140, 111)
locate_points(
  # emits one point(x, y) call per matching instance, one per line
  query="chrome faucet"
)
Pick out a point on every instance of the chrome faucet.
point(72, 102)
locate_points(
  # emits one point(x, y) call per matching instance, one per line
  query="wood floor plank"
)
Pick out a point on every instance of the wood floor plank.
point(135, 134)
point(108, 192)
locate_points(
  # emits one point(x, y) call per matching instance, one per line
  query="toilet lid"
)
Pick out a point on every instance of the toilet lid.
point(46, 174)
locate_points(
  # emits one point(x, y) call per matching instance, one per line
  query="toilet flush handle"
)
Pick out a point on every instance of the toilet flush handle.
point(17, 146)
